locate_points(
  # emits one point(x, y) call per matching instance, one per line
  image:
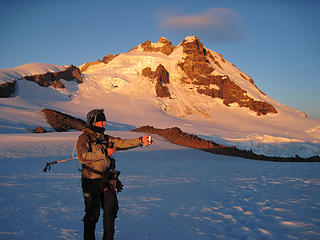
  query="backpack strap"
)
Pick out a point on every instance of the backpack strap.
point(92, 170)
point(89, 139)
point(90, 150)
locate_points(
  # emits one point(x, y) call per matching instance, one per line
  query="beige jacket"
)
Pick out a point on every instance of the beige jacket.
point(92, 150)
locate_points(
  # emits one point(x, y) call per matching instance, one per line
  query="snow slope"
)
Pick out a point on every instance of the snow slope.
point(130, 101)
point(286, 133)
point(27, 70)
point(171, 192)
point(167, 187)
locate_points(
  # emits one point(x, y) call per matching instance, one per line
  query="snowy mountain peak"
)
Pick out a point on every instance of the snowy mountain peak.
point(210, 74)
point(192, 43)
point(190, 39)
point(195, 71)
point(188, 86)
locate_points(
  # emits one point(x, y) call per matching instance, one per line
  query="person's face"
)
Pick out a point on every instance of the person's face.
point(101, 124)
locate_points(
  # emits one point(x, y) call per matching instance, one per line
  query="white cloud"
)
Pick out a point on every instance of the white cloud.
point(220, 24)
point(187, 21)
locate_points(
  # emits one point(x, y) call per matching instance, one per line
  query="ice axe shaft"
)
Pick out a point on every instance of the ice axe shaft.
point(48, 164)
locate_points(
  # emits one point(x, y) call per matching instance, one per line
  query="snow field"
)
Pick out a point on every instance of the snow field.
point(129, 99)
point(27, 70)
point(171, 192)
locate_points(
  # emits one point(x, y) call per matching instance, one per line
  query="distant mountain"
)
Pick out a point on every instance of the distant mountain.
point(183, 77)
point(188, 86)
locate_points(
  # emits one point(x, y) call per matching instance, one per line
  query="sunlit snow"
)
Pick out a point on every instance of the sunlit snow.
point(171, 192)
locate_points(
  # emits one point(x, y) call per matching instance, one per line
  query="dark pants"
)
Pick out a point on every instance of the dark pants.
point(94, 200)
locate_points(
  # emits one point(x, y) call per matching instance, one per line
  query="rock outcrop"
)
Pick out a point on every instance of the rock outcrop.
point(161, 76)
point(108, 58)
point(163, 45)
point(177, 136)
point(7, 88)
point(85, 66)
point(104, 60)
point(62, 122)
point(72, 73)
point(39, 130)
point(200, 72)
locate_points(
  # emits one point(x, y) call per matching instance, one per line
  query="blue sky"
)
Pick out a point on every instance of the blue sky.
point(276, 42)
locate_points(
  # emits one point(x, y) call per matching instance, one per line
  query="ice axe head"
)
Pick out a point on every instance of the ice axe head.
point(47, 167)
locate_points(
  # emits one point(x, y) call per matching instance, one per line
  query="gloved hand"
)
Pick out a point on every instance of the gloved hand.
point(146, 140)
point(119, 186)
point(114, 183)
point(115, 186)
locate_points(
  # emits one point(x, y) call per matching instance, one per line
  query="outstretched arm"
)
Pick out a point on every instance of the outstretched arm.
point(124, 144)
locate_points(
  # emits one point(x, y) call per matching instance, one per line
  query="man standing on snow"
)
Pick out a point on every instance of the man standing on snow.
point(94, 150)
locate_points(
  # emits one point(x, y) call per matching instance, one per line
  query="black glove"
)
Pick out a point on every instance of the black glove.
point(114, 184)
point(119, 186)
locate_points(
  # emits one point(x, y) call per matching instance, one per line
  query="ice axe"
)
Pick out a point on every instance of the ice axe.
point(48, 164)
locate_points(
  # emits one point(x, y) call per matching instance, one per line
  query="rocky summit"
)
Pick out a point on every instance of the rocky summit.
point(191, 68)
point(188, 86)
point(199, 66)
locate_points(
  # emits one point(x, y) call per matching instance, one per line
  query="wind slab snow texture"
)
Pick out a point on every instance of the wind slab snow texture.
point(171, 192)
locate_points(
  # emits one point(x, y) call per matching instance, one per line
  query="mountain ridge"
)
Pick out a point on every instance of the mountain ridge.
point(139, 88)
point(204, 70)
